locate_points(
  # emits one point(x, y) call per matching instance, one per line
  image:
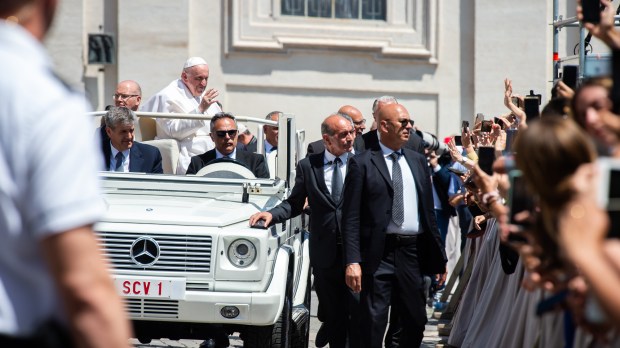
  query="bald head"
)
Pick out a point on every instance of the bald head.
point(338, 134)
point(394, 125)
point(128, 94)
point(358, 119)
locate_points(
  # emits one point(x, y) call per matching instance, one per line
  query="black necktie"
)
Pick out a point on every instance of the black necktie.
point(118, 167)
point(336, 180)
point(398, 210)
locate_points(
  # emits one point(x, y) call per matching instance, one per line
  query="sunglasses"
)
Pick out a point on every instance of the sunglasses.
point(404, 123)
point(221, 133)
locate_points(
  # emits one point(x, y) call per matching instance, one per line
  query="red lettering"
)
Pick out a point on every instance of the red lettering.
point(146, 286)
point(126, 288)
point(136, 291)
point(159, 286)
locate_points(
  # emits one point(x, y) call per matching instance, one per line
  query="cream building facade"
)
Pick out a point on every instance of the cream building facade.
point(445, 60)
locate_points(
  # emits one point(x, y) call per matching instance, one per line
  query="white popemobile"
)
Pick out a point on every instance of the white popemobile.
point(189, 265)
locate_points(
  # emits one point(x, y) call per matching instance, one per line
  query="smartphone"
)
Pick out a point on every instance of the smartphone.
point(511, 135)
point(569, 76)
point(608, 194)
point(464, 125)
point(479, 118)
point(487, 126)
point(615, 74)
point(486, 157)
point(516, 101)
point(531, 107)
point(458, 140)
point(591, 11)
point(500, 122)
point(519, 200)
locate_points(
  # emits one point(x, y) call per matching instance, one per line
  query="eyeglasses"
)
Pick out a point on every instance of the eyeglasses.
point(221, 133)
point(360, 122)
point(118, 96)
point(404, 123)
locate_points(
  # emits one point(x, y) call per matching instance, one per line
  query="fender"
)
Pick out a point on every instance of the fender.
point(277, 284)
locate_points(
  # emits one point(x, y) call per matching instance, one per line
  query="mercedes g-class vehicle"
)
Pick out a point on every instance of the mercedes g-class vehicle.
point(187, 262)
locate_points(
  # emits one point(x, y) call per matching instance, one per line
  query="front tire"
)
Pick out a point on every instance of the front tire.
point(279, 334)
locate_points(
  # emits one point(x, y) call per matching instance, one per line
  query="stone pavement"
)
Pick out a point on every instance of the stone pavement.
point(431, 336)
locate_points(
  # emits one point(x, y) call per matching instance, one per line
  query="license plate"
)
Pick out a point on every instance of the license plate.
point(149, 287)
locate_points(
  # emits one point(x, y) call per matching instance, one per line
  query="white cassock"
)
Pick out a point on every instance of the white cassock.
point(191, 135)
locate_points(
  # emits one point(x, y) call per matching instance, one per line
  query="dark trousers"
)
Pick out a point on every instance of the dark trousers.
point(398, 276)
point(339, 306)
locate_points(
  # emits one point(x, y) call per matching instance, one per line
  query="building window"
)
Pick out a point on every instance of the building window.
point(352, 9)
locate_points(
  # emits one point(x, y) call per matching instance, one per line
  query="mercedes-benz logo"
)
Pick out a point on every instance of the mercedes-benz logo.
point(144, 251)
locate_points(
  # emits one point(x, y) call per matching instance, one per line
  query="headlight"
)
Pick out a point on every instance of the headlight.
point(242, 253)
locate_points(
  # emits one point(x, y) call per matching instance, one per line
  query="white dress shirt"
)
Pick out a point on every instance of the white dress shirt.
point(125, 164)
point(328, 169)
point(232, 155)
point(411, 225)
point(268, 147)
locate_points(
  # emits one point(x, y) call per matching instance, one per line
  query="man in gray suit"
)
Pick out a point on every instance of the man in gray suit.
point(320, 179)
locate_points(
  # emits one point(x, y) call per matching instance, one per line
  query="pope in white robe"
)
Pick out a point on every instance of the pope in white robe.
point(187, 95)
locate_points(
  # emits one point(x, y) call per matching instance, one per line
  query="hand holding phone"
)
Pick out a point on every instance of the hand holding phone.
point(569, 76)
point(487, 126)
point(531, 107)
point(486, 157)
point(591, 10)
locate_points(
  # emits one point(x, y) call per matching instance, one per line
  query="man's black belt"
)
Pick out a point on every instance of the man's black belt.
point(400, 240)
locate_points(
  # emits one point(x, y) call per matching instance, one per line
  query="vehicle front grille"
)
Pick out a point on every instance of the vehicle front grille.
point(152, 308)
point(194, 286)
point(178, 253)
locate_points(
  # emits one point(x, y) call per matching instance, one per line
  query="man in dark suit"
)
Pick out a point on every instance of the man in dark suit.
point(359, 123)
point(389, 231)
point(371, 140)
point(224, 134)
point(246, 141)
point(121, 153)
point(319, 179)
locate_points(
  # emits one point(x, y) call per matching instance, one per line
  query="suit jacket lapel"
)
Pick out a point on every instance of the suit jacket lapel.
point(379, 161)
point(317, 163)
point(135, 159)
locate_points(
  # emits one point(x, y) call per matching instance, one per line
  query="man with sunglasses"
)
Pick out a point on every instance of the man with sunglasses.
point(371, 139)
point(389, 231)
point(319, 179)
point(224, 134)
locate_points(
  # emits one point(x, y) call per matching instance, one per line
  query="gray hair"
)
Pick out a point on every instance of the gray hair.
point(271, 114)
point(221, 115)
point(383, 99)
point(119, 115)
point(325, 129)
point(347, 117)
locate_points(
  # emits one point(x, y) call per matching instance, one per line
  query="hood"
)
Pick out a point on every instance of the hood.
point(223, 210)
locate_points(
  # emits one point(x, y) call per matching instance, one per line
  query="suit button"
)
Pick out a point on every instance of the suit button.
point(388, 212)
